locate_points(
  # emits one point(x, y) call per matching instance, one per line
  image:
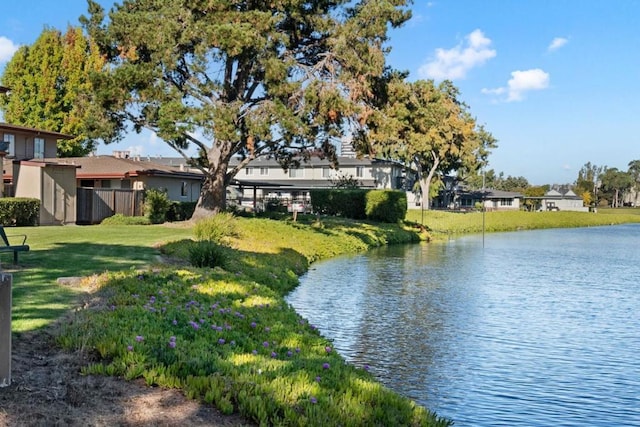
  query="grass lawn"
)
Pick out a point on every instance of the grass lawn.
point(443, 222)
point(71, 251)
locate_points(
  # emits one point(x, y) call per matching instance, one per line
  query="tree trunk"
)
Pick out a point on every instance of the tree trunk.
point(213, 195)
point(425, 183)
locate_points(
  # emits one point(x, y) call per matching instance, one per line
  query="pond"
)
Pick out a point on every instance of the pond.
point(535, 328)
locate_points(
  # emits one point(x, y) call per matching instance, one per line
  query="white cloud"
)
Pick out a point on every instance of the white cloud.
point(456, 62)
point(557, 43)
point(7, 49)
point(525, 81)
point(520, 83)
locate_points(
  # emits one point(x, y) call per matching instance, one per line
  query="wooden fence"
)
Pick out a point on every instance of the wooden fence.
point(95, 204)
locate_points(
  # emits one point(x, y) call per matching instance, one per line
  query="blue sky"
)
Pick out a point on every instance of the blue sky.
point(557, 82)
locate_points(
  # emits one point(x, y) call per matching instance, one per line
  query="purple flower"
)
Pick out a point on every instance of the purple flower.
point(175, 322)
point(318, 378)
point(366, 367)
point(253, 324)
point(172, 344)
point(130, 348)
point(265, 344)
point(267, 329)
point(297, 349)
point(325, 365)
point(274, 354)
point(289, 353)
point(139, 338)
point(254, 352)
point(327, 349)
point(221, 341)
point(313, 400)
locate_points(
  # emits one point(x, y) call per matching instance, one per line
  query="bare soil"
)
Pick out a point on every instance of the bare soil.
point(47, 389)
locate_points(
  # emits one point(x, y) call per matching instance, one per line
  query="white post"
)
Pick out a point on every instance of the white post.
point(5, 329)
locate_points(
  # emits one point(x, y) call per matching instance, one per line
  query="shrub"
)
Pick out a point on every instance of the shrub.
point(216, 228)
point(119, 219)
point(207, 254)
point(386, 205)
point(180, 211)
point(156, 206)
point(19, 211)
point(345, 203)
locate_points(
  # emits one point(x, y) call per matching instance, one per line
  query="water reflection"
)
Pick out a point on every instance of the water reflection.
point(537, 328)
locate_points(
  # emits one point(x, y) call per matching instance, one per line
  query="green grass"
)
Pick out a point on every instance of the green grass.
point(442, 222)
point(223, 336)
point(72, 251)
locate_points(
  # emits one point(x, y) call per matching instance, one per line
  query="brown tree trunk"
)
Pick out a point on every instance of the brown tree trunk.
point(213, 195)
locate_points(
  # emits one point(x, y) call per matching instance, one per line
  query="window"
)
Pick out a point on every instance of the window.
point(264, 171)
point(506, 202)
point(296, 173)
point(359, 171)
point(11, 139)
point(105, 183)
point(38, 148)
point(248, 171)
point(183, 189)
point(326, 172)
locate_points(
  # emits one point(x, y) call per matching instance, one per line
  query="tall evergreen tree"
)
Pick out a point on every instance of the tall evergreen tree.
point(48, 82)
point(238, 78)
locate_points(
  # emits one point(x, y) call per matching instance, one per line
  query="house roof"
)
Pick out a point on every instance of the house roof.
point(25, 129)
point(314, 161)
point(109, 167)
point(490, 193)
point(295, 184)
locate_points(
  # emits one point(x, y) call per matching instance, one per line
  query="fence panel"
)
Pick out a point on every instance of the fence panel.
point(96, 204)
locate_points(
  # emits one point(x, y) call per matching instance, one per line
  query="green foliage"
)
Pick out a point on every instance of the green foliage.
point(19, 211)
point(156, 206)
point(386, 205)
point(49, 81)
point(120, 219)
point(217, 228)
point(427, 127)
point(346, 203)
point(180, 211)
point(302, 72)
point(207, 253)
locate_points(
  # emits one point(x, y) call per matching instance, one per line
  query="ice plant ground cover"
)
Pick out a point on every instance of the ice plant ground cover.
point(227, 337)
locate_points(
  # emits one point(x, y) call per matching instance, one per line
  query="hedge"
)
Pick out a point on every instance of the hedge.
point(19, 211)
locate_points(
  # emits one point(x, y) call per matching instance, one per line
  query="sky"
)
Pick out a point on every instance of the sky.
point(556, 82)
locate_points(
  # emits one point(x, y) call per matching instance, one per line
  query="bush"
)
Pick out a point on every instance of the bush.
point(119, 219)
point(386, 205)
point(156, 206)
point(216, 228)
point(180, 211)
point(345, 203)
point(19, 211)
point(207, 254)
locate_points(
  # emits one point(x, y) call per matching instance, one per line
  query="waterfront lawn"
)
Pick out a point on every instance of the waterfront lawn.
point(443, 222)
point(224, 335)
point(75, 251)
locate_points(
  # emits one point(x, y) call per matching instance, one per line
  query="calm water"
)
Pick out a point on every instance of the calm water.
point(539, 328)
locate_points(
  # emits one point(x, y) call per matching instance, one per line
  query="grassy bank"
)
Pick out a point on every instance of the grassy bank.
point(441, 222)
point(226, 335)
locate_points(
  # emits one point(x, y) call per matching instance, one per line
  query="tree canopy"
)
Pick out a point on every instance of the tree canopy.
point(427, 127)
point(48, 82)
point(241, 78)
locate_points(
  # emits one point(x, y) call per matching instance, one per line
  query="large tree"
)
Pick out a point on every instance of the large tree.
point(242, 77)
point(427, 127)
point(615, 183)
point(47, 83)
point(588, 182)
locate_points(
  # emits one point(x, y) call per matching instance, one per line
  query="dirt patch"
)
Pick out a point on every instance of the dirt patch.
point(47, 389)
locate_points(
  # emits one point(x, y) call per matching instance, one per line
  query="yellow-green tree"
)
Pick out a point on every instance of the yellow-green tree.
point(48, 83)
point(426, 126)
